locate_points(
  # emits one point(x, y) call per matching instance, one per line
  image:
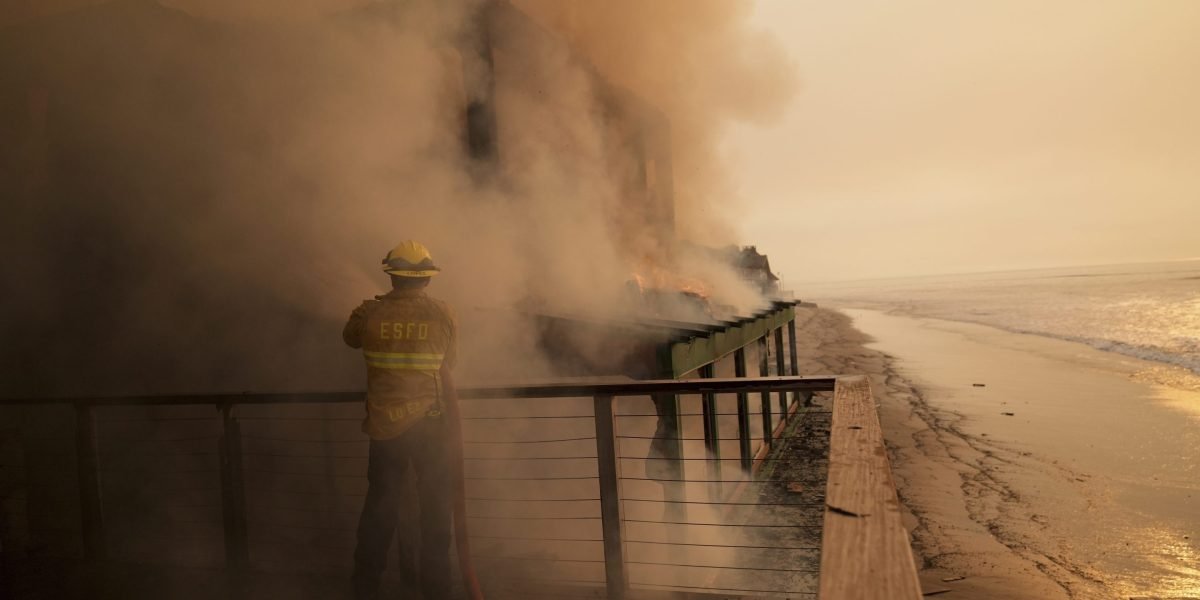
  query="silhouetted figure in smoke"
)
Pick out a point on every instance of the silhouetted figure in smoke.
point(409, 342)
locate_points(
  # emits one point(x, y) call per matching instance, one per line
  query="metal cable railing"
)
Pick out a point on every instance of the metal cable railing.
point(535, 498)
point(742, 541)
point(559, 494)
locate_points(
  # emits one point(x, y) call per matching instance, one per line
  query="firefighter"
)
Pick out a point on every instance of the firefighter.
point(409, 342)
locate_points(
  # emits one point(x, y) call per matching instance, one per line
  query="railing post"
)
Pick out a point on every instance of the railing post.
point(780, 371)
point(87, 464)
point(766, 396)
point(795, 360)
point(610, 499)
point(668, 444)
point(666, 452)
point(712, 436)
point(743, 412)
point(233, 493)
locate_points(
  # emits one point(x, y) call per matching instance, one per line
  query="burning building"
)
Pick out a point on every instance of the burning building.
point(756, 268)
point(217, 189)
point(195, 204)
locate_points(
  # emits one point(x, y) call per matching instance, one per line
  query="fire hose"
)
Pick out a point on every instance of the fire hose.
point(461, 540)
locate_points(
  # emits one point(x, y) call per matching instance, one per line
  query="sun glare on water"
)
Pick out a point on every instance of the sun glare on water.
point(1177, 556)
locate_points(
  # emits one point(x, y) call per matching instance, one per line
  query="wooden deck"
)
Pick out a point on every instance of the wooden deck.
point(865, 551)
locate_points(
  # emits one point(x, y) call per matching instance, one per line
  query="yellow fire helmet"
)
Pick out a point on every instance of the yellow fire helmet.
point(409, 259)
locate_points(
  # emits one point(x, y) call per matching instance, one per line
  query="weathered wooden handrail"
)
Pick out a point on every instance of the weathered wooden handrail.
point(865, 551)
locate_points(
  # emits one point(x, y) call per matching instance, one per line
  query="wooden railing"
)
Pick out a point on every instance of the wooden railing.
point(865, 551)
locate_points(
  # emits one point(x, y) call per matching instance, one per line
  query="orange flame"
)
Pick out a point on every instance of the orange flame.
point(652, 277)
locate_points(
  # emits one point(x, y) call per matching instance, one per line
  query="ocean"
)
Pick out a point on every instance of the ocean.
point(1082, 463)
point(1146, 311)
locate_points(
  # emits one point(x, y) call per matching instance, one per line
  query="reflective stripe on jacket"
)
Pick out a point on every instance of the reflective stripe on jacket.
point(406, 337)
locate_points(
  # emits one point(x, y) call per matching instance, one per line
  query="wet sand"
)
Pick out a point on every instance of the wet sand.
point(1087, 489)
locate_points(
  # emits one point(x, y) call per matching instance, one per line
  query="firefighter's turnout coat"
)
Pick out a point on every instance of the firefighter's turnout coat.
point(406, 337)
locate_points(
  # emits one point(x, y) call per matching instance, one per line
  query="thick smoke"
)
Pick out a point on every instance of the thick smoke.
point(201, 190)
point(701, 64)
point(223, 177)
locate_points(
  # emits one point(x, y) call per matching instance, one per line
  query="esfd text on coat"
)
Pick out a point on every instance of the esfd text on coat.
point(396, 330)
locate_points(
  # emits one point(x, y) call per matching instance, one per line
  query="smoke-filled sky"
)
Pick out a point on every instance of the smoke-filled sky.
point(926, 136)
point(934, 136)
point(241, 167)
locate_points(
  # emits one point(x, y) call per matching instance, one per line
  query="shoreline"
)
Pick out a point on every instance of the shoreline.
point(1161, 366)
point(829, 343)
point(992, 492)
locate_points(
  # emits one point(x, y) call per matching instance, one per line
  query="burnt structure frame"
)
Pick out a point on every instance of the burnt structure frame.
point(698, 350)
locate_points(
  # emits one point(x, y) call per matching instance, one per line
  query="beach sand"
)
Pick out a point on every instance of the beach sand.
point(1029, 467)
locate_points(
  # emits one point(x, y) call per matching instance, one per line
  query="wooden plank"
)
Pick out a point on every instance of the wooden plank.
point(865, 551)
point(712, 435)
point(765, 397)
point(691, 354)
point(780, 371)
point(743, 413)
point(795, 361)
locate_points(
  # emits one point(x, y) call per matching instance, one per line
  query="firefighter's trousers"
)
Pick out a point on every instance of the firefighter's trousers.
point(425, 446)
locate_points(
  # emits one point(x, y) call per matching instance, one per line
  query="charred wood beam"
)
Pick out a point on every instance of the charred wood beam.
point(689, 355)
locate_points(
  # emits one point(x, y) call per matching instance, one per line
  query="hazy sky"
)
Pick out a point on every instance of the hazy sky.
point(936, 136)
